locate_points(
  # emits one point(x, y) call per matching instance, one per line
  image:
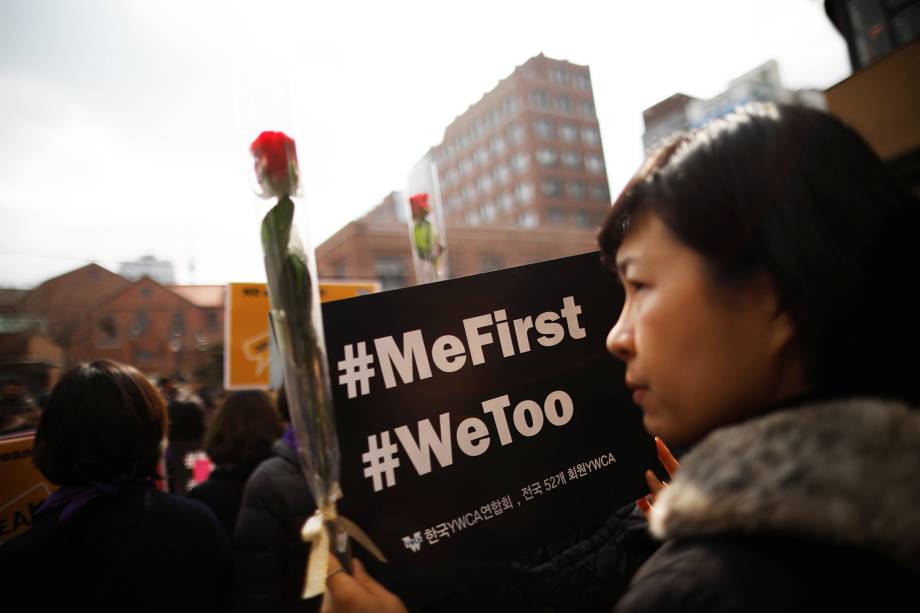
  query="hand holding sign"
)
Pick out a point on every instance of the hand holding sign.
point(655, 485)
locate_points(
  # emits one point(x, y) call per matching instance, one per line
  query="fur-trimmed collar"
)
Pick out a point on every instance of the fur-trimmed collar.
point(847, 471)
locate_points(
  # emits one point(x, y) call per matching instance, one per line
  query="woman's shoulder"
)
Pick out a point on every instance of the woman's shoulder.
point(763, 572)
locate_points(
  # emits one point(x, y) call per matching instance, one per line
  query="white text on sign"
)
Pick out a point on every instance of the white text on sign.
point(399, 363)
point(472, 435)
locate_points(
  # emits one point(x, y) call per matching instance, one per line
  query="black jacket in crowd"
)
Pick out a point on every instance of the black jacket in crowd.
point(223, 492)
point(137, 550)
point(271, 558)
point(811, 508)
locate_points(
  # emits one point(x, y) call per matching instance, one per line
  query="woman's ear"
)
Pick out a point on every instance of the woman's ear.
point(779, 327)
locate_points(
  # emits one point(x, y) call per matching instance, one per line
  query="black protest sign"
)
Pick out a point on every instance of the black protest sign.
point(482, 417)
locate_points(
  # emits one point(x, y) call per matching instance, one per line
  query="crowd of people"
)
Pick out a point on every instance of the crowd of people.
point(770, 328)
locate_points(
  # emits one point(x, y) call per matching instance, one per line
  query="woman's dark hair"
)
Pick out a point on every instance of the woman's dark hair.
point(794, 193)
point(103, 421)
point(186, 420)
point(243, 429)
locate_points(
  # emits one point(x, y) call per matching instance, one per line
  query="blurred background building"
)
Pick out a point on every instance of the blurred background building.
point(681, 112)
point(522, 177)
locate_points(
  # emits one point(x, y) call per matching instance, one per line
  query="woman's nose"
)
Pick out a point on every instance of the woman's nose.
point(620, 339)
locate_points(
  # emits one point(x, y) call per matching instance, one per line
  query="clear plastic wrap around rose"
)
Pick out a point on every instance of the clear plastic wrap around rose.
point(296, 325)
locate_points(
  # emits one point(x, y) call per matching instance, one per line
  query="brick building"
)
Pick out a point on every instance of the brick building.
point(522, 179)
point(92, 313)
point(377, 247)
point(528, 154)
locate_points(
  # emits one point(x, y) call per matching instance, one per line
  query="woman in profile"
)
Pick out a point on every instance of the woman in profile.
point(239, 437)
point(107, 538)
point(771, 324)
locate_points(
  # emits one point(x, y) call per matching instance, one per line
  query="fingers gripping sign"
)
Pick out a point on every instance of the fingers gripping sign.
point(655, 485)
point(356, 593)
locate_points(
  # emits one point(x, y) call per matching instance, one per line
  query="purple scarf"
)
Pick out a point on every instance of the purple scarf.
point(289, 438)
point(75, 497)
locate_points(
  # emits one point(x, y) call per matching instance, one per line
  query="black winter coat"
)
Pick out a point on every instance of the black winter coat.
point(139, 550)
point(271, 558)
point(812, 508)
point(223, 492)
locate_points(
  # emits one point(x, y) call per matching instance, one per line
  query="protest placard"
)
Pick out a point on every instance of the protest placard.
point(482, 417)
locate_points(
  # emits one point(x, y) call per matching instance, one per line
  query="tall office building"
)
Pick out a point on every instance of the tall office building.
point(522, 179)
point(528, 154)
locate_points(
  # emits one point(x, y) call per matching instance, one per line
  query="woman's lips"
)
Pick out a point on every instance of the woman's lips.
point(638, 395)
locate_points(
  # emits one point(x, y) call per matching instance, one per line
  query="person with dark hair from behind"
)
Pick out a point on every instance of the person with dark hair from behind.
point(239, 437)
point(271, 557)
point(186, 433)
point(107, 539)
point(771, 326)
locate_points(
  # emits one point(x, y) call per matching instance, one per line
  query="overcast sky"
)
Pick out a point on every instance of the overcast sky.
point(120, 135)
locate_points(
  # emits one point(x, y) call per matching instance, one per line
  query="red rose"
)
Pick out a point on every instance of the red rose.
point(276, 163)
point(419, 204)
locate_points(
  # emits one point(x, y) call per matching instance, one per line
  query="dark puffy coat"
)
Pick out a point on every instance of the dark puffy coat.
point(270, 557)
point(811, 508)
point(223, 492)
point(139, 550)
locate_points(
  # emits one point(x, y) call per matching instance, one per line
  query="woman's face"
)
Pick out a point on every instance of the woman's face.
point(698, 355)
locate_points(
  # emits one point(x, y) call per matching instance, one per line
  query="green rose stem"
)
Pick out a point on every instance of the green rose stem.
point(290, 288)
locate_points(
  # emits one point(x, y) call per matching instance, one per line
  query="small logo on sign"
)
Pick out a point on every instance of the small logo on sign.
point(413, 542)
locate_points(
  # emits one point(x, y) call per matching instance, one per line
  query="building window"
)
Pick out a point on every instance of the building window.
point(523, 192)
point(591, 136)
point(466, 166)
point(576, 190)
point(212, 319)
point(543, 128)
point(146, 291)
point(547, 156)
point(594, 163)
point(571, 159)
point(140, 324)
point(391, 271)
point(528, 219)
point(488, 212)
point(498, 145)
point(516, 134)
point(108, 331)
point(482, 156)
point(582, 81)
point(177, 327)
point(583, 220)
point(551, 187)
point(142, 357)
point(568, 132)
point(520, 162)
point(501, 173)
point(484, 183)
point(539, 99)
point(586, 109)
point(489, 262)
point(565, 105)
point(505, 202)
point(495, 117)
point(559, 76)
point(468, 193)
point(472, 218)
point(555, 216)
point(600, 193)
point(511, 105)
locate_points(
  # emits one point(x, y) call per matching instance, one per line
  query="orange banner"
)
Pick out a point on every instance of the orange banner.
point(22, 488)
point(247, 354)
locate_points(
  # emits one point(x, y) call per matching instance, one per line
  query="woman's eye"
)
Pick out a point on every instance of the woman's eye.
point(635, 285)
